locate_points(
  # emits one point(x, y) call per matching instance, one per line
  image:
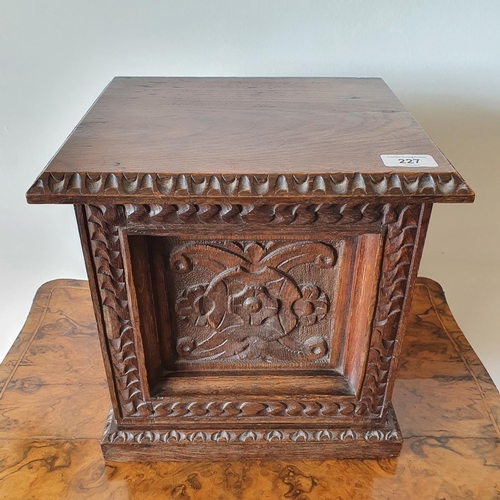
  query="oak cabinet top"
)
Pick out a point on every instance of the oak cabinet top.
point(173, 139)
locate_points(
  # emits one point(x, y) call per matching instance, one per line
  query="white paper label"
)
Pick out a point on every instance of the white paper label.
point(410, 161)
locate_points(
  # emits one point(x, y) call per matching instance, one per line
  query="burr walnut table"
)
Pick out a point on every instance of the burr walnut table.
point(251, 246)
point(54, 398)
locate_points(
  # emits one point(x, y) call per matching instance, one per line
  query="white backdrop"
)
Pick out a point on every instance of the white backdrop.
point(441, 57)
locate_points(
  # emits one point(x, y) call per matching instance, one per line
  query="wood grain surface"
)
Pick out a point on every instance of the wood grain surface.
point(178, 138)
point(221, 125)
point(54, 400)
point(334, 305)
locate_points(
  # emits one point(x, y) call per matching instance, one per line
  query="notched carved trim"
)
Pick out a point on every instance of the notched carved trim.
point(106, 249)
point(297, 214)
point(402, 227)
point(250, 409)
point(110, 185)
point(390, 433)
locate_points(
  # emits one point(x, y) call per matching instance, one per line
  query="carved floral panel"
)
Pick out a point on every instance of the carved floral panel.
point(257, 302)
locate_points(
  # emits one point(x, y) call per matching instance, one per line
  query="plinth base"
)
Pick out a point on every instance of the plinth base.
point(147, 444)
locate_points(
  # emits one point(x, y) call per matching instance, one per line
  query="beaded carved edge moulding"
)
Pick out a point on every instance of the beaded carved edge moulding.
point(52, 187)
point(174, 444)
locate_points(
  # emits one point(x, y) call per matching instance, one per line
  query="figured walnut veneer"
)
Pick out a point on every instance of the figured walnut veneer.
point(447, 405)
point(251, 260)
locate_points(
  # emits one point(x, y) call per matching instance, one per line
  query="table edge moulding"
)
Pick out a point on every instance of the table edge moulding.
point(251, 260)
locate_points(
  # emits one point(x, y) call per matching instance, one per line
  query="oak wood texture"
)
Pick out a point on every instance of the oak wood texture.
point(54, 399)
point(266, 309)
point(186, 139)
point(241, 235)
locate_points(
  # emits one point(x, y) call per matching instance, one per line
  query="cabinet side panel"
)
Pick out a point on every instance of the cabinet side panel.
point(117, 302)
point(423, 223)
point(398, 268)
point(96, 302)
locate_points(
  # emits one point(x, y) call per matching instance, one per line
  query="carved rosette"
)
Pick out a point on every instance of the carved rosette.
point(252, 305)
point(104, 225)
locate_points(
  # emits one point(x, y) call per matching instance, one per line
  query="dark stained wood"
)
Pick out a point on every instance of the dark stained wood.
point(140, 258)
point(202, 138)
point(214, 328)
point(362, 293)
point(219, 125)
point(201, 383)
point(251, 261)
point(256, 303)
point(448, 407)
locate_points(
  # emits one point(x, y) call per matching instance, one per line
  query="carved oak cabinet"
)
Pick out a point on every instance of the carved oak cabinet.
point(251, 254)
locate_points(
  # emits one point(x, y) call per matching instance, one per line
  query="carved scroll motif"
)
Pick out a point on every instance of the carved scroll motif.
point(106, 248)
point(250, 307)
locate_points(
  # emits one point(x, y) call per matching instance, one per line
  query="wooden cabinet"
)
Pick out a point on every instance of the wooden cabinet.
point(251, 260)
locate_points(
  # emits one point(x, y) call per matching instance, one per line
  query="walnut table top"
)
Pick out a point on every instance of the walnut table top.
point(54, 399)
